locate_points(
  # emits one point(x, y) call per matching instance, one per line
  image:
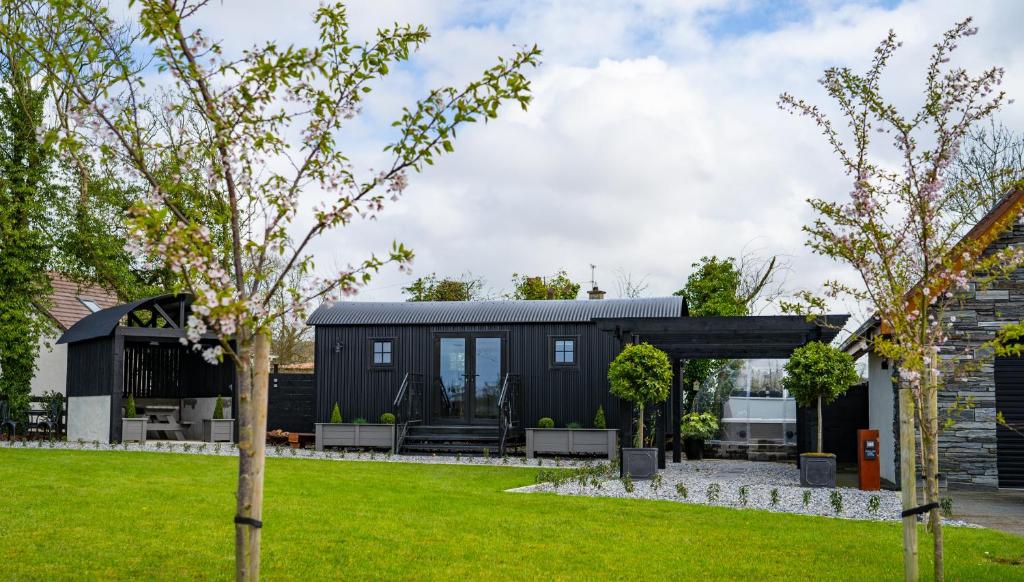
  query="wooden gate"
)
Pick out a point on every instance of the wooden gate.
point(291, 402)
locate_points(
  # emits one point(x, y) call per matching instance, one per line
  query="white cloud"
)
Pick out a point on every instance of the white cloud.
point(650, 142)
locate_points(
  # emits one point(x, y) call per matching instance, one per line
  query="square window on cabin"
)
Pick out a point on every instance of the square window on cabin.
point(564, 352)
point(382, 352)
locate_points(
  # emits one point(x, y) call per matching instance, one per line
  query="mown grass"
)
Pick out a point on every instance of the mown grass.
point(112, 515)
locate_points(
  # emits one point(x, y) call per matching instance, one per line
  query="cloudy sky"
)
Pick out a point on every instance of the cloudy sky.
point(654, 137)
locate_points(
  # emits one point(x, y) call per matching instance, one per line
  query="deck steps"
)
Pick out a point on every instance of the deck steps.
point(469, 439)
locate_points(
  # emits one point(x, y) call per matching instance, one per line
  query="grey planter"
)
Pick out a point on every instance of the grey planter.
point(639, 463)
point(571, 441)
point(366, 436)
point(133, 429)
point(817, 470)
point(219, 430)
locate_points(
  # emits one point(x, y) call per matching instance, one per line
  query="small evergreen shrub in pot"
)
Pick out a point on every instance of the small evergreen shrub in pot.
point(817, 374)
point(545, 423)
point(218, 429)
point(641, 374)
point(696, 427)
point(387, 418)
point(133, 427)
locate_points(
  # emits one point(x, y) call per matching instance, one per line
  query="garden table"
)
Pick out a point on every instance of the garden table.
point(164, 419)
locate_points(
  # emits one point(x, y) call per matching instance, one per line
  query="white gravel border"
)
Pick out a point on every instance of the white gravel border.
point(286, 452)
point(758, 479)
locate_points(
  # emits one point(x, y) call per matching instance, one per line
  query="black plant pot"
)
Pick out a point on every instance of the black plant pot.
point(817, 470)
point(639, 463)
point(694, 448)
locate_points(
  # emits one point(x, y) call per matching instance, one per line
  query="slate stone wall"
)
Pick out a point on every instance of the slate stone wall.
point(967, 450)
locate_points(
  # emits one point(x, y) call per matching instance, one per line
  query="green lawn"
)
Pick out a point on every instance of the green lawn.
point(102, 515)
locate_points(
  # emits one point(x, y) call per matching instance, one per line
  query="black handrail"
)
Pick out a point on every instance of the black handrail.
point(407, 407)
point(508, 409)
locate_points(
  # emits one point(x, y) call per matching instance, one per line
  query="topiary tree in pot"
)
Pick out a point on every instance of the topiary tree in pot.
point(817, 374)
point(641, 374)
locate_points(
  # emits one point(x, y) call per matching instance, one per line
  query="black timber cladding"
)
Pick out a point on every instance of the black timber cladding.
point(1009, 381)
point(291, 402)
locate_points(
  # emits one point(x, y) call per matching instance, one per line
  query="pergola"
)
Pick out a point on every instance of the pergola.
point(135, 348)
point(686, 338)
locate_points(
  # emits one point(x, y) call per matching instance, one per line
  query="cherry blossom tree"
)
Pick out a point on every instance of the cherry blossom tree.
point(255, 133)
point(902, 228)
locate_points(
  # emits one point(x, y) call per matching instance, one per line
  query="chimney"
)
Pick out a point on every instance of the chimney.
point(595, 293)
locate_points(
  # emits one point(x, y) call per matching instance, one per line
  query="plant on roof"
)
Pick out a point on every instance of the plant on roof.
point(599, 421)
point(336, 414)
point(818, 373)
point(641, 374)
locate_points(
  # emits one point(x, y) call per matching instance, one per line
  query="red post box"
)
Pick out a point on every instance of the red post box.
point(867, 460)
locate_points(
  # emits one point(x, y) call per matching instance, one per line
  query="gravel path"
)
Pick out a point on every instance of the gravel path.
point(739, 484)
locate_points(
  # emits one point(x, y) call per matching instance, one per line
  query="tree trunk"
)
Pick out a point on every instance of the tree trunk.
point(252, 417)
point(640, 427)
point(819, 426)
point(932, 479)
point(908, 484)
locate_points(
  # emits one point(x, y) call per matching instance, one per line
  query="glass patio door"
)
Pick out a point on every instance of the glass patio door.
point(470, 369)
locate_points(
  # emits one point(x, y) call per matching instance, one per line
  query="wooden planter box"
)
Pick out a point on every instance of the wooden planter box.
point(133, 429)
point(220, 430)
point(366, 436)
point(571, 441)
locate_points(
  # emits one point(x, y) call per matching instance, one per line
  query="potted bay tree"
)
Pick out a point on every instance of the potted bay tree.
point(817, 374)
point(695, 428)
point(133, 426)
point(218, 429)
point(641, 374)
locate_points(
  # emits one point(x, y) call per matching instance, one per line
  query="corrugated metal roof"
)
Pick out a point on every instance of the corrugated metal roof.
point(512, 311)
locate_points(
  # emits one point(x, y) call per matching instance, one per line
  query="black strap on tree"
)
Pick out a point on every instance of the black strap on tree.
point(248, 521)
point(920, 509)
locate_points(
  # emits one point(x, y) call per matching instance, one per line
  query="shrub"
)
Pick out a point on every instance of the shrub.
point(744, 495)
point(599, 421)
point(807, 497)
point(336, 414)
point(574, 425)
point(641, 374)
point(699, 425)
point(946, 504)
point(387, 418)
point(836, 499)
point(129, 407)
point(359, 420)
point(627, 483)
point(775, 497)
point(874, 502)
point(818, 373)
point(682, 490)
point(218, 408)
point(545, 423)
point(656, 481)
point(713, 490)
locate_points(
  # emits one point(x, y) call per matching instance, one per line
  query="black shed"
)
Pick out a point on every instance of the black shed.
point(135, 348)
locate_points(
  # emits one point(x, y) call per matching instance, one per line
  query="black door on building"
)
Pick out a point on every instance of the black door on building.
point(1009, 377)
point(469, 368)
